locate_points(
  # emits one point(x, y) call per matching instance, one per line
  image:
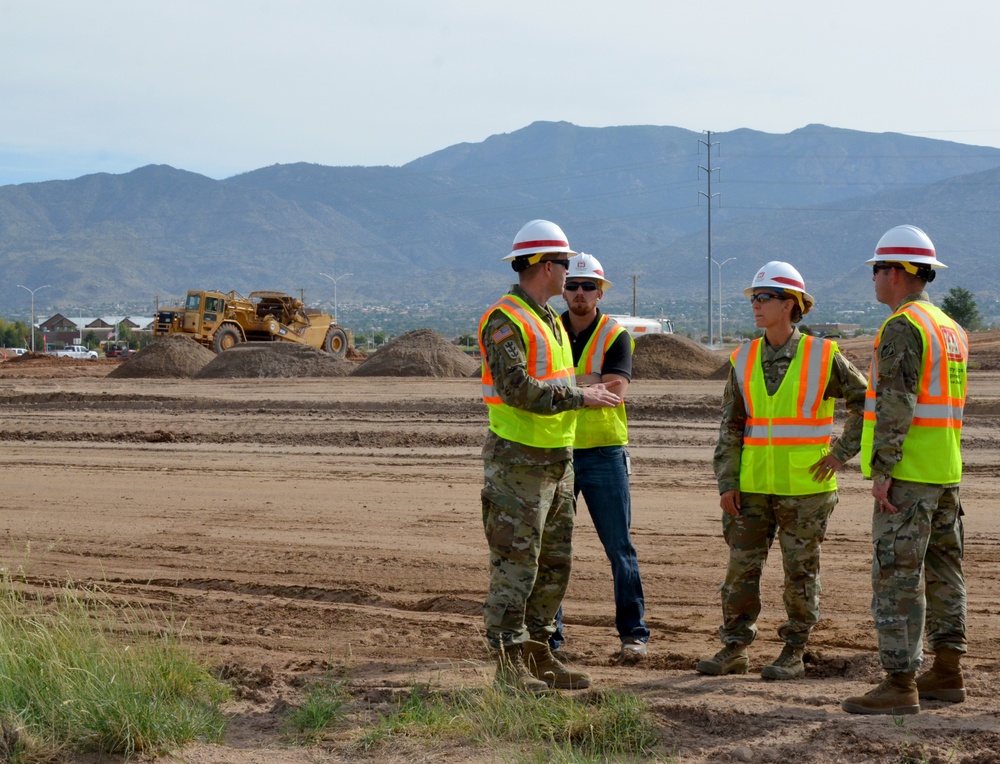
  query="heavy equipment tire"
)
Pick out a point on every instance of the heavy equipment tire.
point(336, 342)
point(225, 338)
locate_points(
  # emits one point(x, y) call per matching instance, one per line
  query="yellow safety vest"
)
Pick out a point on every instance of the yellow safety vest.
point(932, 448)
point(549, 362)
point(788, 432)
point(596, 427)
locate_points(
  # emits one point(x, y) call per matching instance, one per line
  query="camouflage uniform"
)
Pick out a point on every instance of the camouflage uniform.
point(799, 522)
point(917, 563)
point(528, 502)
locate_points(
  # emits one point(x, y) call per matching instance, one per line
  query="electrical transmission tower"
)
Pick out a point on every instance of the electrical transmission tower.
point(707, 167)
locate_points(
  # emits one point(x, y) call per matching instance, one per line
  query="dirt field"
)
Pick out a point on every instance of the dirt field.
point(298, 524)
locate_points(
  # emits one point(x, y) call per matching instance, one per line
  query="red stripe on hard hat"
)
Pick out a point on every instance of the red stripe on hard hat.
point(923, 251)
point(541, 243)
point(790, 282)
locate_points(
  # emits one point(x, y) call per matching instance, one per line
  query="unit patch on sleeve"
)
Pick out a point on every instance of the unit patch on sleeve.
point(887, 351)
point(512, 350)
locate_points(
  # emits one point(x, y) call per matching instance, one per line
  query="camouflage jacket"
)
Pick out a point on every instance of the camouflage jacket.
point(846, 382)
point(900, 355)
point(516, 387)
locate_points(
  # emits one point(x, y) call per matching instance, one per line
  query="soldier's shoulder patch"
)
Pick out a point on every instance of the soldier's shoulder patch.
point(888, 350)
point(512, 350)
point(501, 334)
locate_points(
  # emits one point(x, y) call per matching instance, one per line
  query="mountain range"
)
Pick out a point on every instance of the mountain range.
point(434, 230)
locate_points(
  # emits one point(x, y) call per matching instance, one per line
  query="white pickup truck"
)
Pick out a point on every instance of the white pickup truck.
point(76, 351)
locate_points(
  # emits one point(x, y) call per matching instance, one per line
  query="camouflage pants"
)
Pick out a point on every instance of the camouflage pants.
point(799, 523)
point(528, 518)
point(917, 577)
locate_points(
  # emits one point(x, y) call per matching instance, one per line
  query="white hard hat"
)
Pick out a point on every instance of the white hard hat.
point(906, 244)
point(539, 237)
point(584, 266)
point(783, 277)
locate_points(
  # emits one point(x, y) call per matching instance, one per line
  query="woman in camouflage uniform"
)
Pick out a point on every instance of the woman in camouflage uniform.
point(775, 467)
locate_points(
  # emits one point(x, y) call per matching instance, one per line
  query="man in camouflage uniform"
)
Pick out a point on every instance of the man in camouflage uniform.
point(911, 449)
point(775, 468)
point(527, 499)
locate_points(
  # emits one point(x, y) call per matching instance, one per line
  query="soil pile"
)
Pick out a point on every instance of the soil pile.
point(420, 353)
point(30, 357)
point(274, 359)
point(670, 356)
point(171, 356)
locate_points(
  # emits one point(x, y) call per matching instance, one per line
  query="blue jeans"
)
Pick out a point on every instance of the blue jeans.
point(602, 478)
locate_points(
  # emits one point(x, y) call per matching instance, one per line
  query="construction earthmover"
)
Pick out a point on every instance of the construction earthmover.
point(220, 321)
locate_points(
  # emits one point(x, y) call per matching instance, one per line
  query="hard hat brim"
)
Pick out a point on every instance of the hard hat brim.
point(535, 250)
point(933, 262)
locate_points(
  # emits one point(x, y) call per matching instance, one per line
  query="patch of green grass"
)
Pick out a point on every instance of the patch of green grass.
point(551, 727)
point(77, 675)
point(324, 706)
point(423, 713)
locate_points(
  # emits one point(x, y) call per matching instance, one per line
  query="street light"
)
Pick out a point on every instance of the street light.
point(44, 286)
point(334, 280)
point(720, 292)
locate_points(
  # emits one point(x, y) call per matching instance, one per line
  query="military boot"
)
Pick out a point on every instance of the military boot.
point(731, 659)
point(543, 665)
point(897, 695)
point(944, 680)
point(512, 674)
point(788, 665)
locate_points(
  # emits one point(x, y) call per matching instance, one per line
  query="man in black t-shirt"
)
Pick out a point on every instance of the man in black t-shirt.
point(602, 353)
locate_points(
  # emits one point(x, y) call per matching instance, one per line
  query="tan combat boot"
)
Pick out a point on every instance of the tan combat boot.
point(788, 665)
point(944, 680)
point(897, 695)
point(545, 666)
point(731, 659)
point(512, 674)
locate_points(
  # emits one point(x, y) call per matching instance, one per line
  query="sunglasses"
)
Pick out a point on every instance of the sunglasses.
point(563, 263)
point(764, 297)
point(883, 267)
point(586, 286)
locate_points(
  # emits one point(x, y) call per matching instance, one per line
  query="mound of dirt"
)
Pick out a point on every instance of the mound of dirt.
point(274, 359)
point(30, 357)
point(670, 356)
point(420, 353)
point(171, 356)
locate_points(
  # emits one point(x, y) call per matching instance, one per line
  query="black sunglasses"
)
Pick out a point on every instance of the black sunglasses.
point(586, 286)
point(563, 263)
point(764, 297)
point(883, 267)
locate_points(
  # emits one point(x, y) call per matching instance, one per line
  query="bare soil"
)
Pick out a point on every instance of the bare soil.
point(297, 525)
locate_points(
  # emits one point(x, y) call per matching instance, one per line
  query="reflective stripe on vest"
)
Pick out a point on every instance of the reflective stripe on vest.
point(788, 432)
point(932, 446)
point(597, 427)
point(549, 362)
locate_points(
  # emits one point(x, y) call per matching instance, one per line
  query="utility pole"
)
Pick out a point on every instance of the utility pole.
point(719, 265)
point(635, 277)
point(709, 196)
point(44, 286)
point(335, 280)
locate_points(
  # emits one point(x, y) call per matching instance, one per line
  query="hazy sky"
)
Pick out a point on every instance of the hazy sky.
point(220, 87)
